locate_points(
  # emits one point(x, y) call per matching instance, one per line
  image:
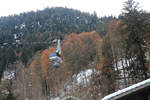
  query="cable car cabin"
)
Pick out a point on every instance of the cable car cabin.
point(56, 59)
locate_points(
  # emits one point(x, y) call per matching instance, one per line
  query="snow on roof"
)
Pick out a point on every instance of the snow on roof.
point(128, 90)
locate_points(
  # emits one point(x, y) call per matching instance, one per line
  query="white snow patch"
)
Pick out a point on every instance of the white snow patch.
point(15, 36)
point(8, 75)
point(22, 26)
point(57, 98)
point(84, 76)
point(71, 97)
point(77, 17)
point(16, 26)
point(122, 63)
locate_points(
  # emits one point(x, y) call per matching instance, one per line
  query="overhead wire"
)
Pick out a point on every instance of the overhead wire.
point(23, 43)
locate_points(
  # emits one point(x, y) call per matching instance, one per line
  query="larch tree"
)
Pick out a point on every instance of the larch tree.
point(81, 50)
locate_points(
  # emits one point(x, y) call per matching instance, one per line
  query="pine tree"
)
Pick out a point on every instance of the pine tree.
point(137, 25)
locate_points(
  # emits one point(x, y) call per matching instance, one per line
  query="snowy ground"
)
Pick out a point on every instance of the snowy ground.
point(84, 76)
point(122, 63)
point(80, 79)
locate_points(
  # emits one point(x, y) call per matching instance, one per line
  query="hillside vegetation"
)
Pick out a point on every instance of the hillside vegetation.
point(36, 30)
point(100, 55)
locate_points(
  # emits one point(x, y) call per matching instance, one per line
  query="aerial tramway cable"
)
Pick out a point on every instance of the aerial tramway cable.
point(55, 57)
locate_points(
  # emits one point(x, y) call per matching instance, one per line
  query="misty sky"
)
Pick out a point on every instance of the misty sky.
point(101, 7)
